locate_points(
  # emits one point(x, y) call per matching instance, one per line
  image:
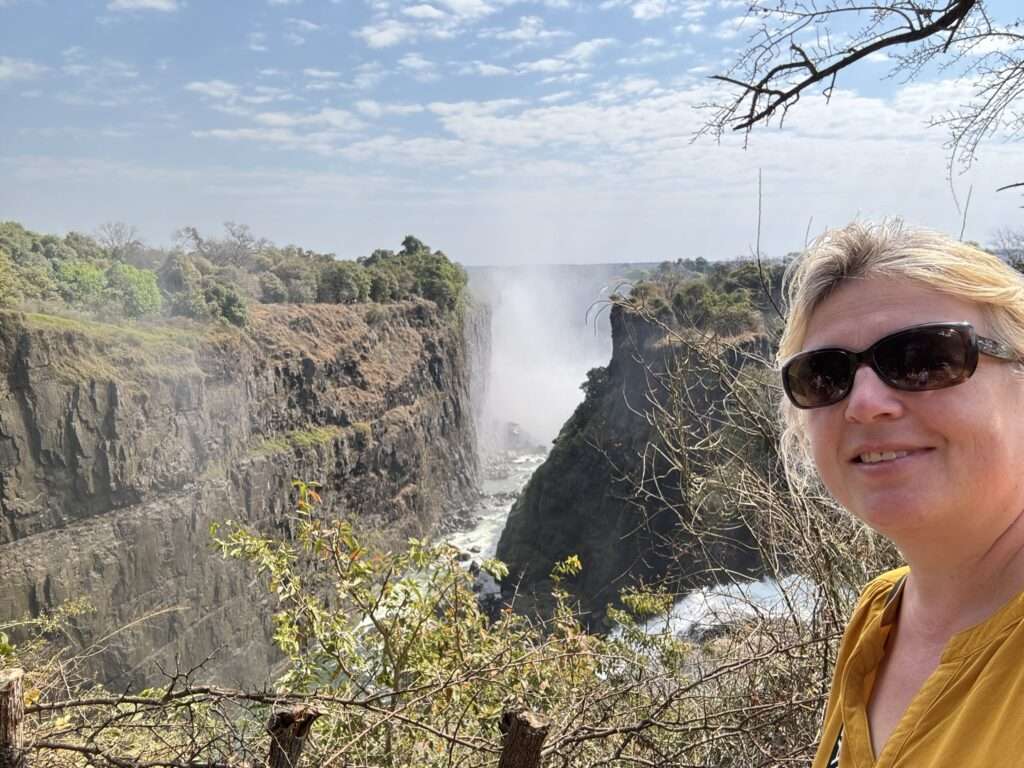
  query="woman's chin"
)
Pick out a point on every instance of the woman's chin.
point(896, 515)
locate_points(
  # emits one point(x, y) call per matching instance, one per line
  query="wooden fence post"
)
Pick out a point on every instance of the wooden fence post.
point(288, 729)
point(12, 715)
point(524, 736)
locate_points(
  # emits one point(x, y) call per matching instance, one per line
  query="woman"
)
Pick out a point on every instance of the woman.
point(900, 364)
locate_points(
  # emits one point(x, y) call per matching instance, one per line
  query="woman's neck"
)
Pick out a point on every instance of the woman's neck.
point(947, 593)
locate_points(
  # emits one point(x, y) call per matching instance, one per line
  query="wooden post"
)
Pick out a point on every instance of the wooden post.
point(524, 736)
point(12, 715)
point(288, 729)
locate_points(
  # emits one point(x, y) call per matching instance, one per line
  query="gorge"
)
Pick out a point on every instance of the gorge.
point(122, 445)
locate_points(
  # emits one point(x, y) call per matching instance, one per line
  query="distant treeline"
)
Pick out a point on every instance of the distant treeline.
point(114, 274)
point(723, 297)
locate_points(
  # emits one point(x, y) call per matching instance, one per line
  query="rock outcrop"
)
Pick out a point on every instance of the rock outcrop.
point(120, 446)
point(606, 494)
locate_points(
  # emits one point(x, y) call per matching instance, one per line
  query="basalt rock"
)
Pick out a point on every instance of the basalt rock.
point(605, 494)
point(119, 448)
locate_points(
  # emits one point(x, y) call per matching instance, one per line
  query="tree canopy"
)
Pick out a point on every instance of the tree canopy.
point(115, 274)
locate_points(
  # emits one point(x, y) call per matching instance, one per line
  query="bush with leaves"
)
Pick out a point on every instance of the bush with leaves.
point(81, 283)
point(134, 290)
point(272, 289)
point(344, 282)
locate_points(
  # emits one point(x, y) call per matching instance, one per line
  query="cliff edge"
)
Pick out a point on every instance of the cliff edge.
point(119, 446)
point(611, 494)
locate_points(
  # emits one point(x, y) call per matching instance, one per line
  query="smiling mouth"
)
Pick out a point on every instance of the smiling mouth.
point(881, 456)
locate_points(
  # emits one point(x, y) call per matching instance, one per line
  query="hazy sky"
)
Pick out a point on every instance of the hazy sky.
point(500, 131)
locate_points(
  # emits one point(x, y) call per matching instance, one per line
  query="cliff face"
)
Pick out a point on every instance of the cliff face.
point(119, 447)
point(607, 494)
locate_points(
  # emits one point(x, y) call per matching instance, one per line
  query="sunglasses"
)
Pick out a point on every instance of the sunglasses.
point(916, 359)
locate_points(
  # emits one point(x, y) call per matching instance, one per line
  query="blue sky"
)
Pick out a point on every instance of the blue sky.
point(501, 131)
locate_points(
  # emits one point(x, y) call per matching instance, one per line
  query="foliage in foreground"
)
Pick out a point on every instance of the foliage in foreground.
point(405, 668)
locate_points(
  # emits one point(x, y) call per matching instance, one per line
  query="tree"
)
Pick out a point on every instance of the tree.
point(119, 240)
point(272, 290)
point(224, 302)
point(344, 282)
point(8, 280)
point(798, 46)
point(136, 290)
point(81, 283)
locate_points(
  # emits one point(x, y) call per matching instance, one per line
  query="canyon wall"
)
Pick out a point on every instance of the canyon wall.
point(614, 494)
point(120, 446)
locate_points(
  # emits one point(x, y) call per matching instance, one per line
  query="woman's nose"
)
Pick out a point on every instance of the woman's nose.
point(871, 398)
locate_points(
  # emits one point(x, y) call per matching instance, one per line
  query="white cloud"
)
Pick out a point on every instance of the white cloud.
point(554, 98)
point(468, 8)
point(335, 118)
point(423, 69)
point(386, 33)
point(302, 25)
point(321, 74)
point(531, 29)
point(214, 89)
point(165, 6)
point(416, 62)
point(652, 57)
point(484, 69)
point(577, 57)
point(19, 69)
point(257, 42)
point(375, 109)
point(728, 29)
point(648, 10)
point(424, 12)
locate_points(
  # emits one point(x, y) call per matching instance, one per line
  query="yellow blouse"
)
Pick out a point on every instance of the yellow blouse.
point(970, 711)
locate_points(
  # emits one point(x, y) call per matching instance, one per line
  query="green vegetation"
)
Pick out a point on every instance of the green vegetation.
point(114, 276)
point(722, 298)
point(295, 440)
point(405, 667)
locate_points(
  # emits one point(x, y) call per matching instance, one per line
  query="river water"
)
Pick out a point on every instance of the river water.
point(505, 475)
point(701, 610)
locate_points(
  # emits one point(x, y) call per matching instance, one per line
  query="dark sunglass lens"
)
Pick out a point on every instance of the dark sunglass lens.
point(924, 358)
point(819, 378)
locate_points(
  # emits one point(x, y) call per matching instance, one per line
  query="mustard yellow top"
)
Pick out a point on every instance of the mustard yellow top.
point(970, 711)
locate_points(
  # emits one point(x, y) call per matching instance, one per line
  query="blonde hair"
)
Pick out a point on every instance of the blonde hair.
point(890, 250)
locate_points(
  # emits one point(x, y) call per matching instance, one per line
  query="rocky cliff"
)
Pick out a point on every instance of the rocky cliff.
point(612, 491)
point(120, 446)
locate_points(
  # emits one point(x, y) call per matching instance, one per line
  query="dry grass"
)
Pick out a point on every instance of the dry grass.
point(83, 350)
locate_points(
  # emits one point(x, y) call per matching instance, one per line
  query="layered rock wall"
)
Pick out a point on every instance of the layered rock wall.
point(609, 494)
point(119, 448)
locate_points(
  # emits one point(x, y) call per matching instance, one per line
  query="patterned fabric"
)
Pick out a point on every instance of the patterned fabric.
point(833, 759)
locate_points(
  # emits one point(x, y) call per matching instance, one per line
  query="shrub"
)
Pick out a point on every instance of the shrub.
point(344, 282)
point(135, 290)
point(272, 289)
point(223, 301)
point(8, 277)
point(81, 283)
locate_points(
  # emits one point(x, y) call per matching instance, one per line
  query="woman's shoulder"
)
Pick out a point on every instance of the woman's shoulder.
point(880, 593)
point(885, 583)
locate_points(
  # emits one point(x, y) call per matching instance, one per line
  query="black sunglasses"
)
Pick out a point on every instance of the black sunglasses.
point(929, 356)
